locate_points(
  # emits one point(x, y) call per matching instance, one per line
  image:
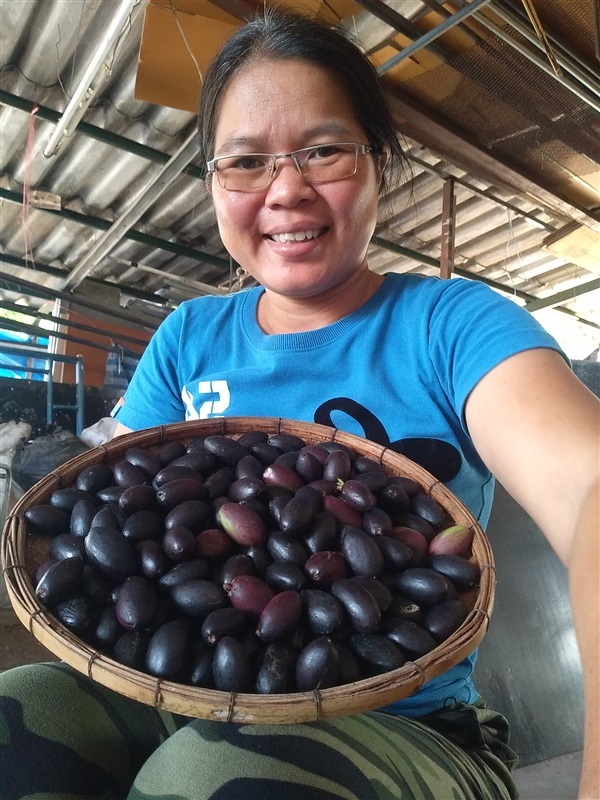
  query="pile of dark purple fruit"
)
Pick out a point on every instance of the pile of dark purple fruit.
point(258, 564)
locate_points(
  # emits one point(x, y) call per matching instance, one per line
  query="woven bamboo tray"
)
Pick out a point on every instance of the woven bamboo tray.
point(22, 553)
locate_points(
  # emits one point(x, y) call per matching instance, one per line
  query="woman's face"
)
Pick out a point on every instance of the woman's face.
point(278, 107)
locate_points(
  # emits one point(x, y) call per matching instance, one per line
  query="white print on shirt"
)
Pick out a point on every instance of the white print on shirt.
point(208, 408)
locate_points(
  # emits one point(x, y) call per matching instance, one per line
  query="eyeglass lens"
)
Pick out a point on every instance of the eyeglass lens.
point(320, 163)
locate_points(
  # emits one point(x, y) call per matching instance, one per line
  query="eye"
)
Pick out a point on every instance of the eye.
point(325, 151)
point(246, 163)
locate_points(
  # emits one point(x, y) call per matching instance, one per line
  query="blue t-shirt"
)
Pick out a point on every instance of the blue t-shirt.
point(398, 371)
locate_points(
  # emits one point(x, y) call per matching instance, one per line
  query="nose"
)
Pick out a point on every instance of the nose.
point(288, 185)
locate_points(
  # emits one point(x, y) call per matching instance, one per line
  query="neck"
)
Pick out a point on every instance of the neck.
point(281, 314)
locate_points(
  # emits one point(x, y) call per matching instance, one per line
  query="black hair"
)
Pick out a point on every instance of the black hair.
point(284, 35)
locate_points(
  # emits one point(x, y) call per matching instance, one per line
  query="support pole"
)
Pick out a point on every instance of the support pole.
point(448, 229)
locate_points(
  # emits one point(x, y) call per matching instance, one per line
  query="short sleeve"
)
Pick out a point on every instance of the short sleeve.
point(153, 396)
point(472, 330)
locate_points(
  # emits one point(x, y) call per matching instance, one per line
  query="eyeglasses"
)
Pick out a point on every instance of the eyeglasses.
point(320, 163)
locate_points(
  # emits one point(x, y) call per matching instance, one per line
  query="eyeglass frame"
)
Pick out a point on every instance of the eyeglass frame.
point(360, 150)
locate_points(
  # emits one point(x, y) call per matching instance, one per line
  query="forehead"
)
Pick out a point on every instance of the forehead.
point(277, 100)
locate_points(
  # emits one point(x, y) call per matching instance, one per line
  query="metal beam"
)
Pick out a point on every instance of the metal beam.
point(561, 297)
point(431, 132)
point(147, 196)
point(463, 273)
point(425, 39)
point(135, 236)
point(98, 134)
point(395, 20)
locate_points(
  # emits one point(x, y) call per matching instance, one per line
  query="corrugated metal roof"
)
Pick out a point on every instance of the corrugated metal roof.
point(106, 169)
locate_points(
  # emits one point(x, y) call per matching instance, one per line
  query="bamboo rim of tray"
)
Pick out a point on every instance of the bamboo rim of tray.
point(21, 554)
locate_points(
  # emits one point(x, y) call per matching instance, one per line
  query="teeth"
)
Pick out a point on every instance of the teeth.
point(298, 236)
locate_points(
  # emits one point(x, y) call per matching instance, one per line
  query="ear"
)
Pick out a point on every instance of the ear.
point(208, 183)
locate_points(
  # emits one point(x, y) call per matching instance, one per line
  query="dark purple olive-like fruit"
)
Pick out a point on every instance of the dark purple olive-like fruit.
point(192, 514)
point(280, 475)
point(60, 580)
point(321, 533)
point(65, 545)
point(249, 467)
point(66, 498)
point(107, 629)
point(318, 665)
point(376, 653)
point(111, 552)
point(246, 489)
point(276, 669)
point(137, 603)
point(428, 509)
point(176, 473)
point(93, 479)
point(152, 559)
point(300, 511)
point(357, 495)
point(362, 555)
point(126, 474)
point(75, 612)
point(47, 519)
point(423, 585)
point(144, 524)
point(213, 543)
point(231, 667)
point(463, 574)
point(252, 437)
point(177, 491)
point(140, 497)
point(222, 622)
point(376, 522)
point(130, 649)
point(239, 564)
point(282, 547)
point(324, 612)
point(197, 568)
point(342, 511)
point(82, 515)
point(179, 543)
point(280, 616)
point(282, 575)
point(359, 603)
point(396, 555)
point(445, 618)
point(407, 520)
point(326, 567)
point(227, 450)
point(198, 597)
point(243, 524)
point(413, 639)
point(249, 593)
point(170, 451)
point(168, 652)
point(144, 459)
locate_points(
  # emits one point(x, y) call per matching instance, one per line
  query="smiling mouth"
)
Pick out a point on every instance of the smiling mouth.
point(297, 236)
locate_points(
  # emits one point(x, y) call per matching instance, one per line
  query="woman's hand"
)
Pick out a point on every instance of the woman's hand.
point(120, 430)
point(537, 427)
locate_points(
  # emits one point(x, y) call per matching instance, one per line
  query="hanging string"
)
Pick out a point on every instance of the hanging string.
point(511, 238)
point(28, 252)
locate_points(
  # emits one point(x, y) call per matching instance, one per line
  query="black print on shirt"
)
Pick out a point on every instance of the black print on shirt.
point(440, 458)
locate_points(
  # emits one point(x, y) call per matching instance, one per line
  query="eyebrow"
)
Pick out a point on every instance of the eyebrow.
point(235, 143)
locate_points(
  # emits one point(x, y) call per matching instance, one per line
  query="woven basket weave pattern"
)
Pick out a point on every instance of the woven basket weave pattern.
point(22, 553)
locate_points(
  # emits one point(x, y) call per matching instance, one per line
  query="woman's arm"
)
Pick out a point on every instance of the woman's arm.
point(537, 427)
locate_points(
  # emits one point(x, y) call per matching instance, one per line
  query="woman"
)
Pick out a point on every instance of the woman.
point(297, 150)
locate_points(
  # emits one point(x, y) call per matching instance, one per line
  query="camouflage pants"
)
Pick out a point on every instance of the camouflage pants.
point(63, 737)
